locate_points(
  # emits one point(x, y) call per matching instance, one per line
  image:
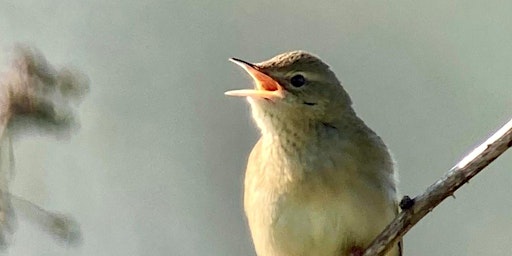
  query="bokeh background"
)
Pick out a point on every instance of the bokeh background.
point(157, 166)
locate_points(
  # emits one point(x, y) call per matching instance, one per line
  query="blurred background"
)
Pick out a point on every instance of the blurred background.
point(157, 166)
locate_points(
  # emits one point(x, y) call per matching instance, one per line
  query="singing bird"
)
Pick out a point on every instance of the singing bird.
point(318, 182)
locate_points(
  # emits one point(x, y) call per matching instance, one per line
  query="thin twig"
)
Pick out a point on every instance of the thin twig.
point(460, 174)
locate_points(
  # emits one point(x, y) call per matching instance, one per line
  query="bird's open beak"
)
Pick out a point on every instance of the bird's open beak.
point(266, 87)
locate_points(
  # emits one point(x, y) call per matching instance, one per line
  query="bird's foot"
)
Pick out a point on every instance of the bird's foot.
point(406, 203)
point(356, 251)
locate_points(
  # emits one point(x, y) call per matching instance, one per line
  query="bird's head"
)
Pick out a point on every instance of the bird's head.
point(294, 87)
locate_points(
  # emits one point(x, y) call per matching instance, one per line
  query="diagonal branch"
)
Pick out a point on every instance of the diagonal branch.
point(417, 208)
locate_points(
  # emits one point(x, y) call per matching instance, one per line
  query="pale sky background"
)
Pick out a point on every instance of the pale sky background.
point(157, 166)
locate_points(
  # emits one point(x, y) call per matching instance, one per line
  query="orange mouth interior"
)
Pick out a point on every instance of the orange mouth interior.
point(264, 82)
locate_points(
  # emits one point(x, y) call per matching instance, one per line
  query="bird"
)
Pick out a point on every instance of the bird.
point(319, 181)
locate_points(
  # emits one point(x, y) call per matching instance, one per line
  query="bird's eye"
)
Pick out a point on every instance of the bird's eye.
point(298, 80)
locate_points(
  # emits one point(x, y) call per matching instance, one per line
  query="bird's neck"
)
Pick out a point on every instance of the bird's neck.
point(296, 134)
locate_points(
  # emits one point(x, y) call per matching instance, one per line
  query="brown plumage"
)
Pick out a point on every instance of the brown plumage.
point(318, 181)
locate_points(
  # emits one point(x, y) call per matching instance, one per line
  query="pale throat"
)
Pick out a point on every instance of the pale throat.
point(290, 132)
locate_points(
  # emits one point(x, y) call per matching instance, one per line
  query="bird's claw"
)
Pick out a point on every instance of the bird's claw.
point(356, 251)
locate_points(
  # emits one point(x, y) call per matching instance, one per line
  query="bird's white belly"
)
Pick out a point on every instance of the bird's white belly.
point(306, 229)
point(326, 225)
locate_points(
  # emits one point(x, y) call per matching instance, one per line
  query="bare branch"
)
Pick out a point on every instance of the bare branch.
point(460, 174)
